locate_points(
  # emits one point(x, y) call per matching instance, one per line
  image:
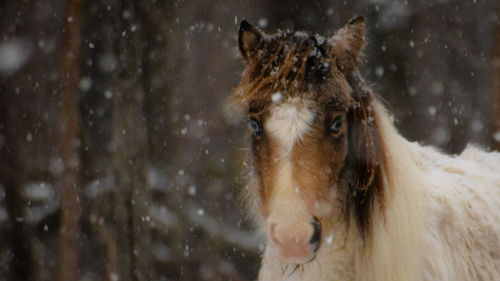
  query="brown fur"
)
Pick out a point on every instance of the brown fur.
point(301, 64)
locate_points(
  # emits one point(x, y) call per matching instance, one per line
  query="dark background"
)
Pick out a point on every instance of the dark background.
point(119, 159)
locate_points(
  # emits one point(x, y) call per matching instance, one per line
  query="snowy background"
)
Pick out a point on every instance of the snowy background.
point(114, 113)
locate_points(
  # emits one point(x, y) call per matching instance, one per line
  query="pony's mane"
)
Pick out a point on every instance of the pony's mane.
point(365, 171)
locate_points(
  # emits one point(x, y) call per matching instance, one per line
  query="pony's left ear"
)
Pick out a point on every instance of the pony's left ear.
point(347, 43)
point(249, 40)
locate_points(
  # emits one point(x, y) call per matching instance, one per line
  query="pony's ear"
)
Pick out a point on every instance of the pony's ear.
point(347, 43)
point(249, 40)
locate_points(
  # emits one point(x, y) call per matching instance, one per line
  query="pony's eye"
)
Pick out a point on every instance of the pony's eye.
point(336, 125)
point(255, 126)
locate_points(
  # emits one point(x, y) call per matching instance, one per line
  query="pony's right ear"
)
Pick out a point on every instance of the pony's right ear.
point(249, 40)
point(347, 44)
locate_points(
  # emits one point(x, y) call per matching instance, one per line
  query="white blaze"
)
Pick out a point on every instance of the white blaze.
point(289, 121)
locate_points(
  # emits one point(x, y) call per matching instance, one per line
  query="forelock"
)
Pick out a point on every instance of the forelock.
point(287, 62)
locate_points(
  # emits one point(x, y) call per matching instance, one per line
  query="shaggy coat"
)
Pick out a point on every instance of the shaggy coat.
point(339, 193)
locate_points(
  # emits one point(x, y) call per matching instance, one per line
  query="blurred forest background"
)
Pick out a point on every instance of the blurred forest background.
point(118, 158)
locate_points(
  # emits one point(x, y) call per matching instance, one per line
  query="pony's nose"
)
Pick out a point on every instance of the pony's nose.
point(296, 242)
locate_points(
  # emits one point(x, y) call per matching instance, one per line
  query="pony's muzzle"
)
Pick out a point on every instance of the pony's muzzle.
point(296, 242)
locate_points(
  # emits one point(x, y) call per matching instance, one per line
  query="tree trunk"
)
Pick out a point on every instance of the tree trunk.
point(68, 184)
point(11, 177)
point(131, 209)
point(496, 81)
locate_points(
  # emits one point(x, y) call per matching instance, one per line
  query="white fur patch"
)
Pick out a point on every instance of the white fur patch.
point(289, 121)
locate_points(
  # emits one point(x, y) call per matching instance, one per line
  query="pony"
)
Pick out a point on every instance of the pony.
point(338, 193)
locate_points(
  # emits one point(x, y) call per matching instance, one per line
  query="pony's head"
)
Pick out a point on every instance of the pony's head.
point(315, 143)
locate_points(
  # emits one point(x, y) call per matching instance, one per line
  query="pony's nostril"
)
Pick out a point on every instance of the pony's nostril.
point(316, 236)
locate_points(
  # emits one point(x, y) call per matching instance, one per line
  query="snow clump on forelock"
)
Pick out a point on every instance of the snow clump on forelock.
point(276, 97)
point(319, 39)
